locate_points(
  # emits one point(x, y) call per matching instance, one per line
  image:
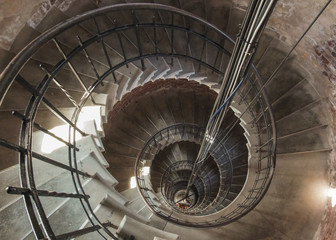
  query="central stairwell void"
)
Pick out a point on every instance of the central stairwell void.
point(127, 91)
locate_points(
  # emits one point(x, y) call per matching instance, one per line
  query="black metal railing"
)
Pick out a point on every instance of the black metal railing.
point(262, 152)
point(261, 162)
point(73, 69)
point(96, 68)
point(178, 133)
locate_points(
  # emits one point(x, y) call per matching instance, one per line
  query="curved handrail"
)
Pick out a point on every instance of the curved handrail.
point(154, 145)
point(8, 75)
point(12, 73)
point(253, 197)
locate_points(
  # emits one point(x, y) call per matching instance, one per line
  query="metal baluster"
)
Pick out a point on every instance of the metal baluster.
point(105, 50)
point(188, 43)
point(155, 41)
point(51, 107)
point(58, 84)
point(135, 22)
point(202, 51)
point(44, 193)
point(40, 157)
point(89, 59)
point(216, 58)
point(120, 42)
point(84, 231)
point(172, 41)
point(72, 68)
point(39, 127)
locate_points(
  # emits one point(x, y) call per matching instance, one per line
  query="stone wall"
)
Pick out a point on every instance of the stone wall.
point(15, 14)
point(151, 87)
point(316, 53)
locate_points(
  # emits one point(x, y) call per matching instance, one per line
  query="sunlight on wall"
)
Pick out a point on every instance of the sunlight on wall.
point(91, 113)
point(49, 143)
point(332, 195)
point(132, 182)
point(145, 172)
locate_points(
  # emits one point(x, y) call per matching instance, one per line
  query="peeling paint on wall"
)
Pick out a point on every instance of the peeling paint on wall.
point(287, 9)
point(325, 55)
point(14, 14)
point(39, 14)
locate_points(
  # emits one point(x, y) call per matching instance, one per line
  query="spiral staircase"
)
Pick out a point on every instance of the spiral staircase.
point(120, 90)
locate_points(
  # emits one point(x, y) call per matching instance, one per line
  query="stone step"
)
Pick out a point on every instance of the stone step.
point(110, 202)
point(131, 194)
point(94, 167)
point(161, 65)
point(53, 16)
point(90, 160)
point(307, 117)
point(69, 216)
point(276, 51)
point(15, 213)
point(23, 38)
point(147, 75)
point(136, 204)
point(8, 177)
point(104, 214)
point(187, 69)
point(198, 76)
point(131, 227)
point(55, 206)
point(304, 141)
point(121, 149)
point(90, 127)
point(212, 78)
point(145, 212)
point(122, 87)
point(295, 100)
point(264, 42)
point(175, 69)
point(96, 54)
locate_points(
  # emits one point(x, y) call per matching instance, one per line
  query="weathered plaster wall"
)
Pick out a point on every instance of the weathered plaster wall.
point(317, 54)
point(14, 14)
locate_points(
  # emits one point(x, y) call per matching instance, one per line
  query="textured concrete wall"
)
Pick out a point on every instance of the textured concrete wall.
point(154, 86)
point(14, 14)
point(317, 54)
point(327, 228)
point(316, 51)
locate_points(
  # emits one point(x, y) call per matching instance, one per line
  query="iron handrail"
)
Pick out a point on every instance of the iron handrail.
point(261, 184)
point(159, 141)
point(12, 73)
point(9, 74)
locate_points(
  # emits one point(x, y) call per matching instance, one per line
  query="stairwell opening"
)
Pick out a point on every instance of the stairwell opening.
point(310, 104)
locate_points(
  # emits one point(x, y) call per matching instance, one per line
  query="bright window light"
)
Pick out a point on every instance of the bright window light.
point(332, 194)
point(145, 171)
point(132, 182)
point(49, 143)
point(91, 113)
